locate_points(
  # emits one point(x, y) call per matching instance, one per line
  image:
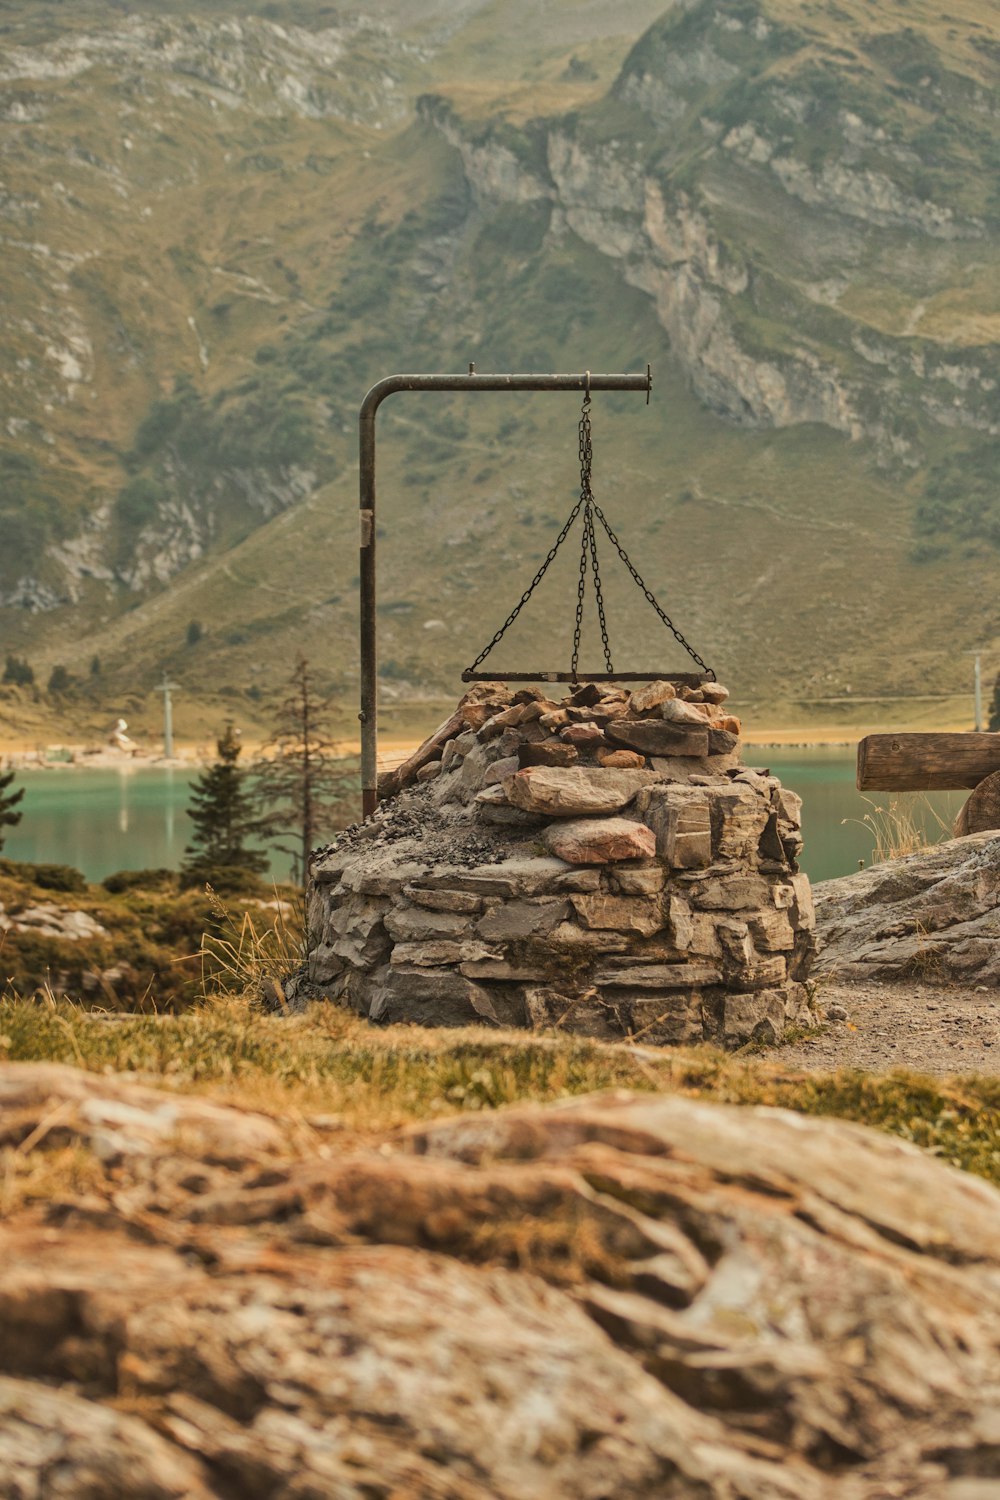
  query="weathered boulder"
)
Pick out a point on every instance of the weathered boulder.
point(48, 920)
point(623, 759)
point(714, 1303)
point(117, 1117)
point(934, 916)
point(646, 700)
point(676, 711)
point(600, 841)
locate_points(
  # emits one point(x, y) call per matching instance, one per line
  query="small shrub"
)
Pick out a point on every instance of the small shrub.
point(139, 500)
point(18, 672)
point(130, 880)
point(55, 878)
point(229, 880)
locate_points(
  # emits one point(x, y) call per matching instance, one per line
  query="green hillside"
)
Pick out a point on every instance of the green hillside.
point(222, 223)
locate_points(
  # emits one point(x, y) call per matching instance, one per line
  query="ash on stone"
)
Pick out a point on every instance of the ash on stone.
point(519, 872)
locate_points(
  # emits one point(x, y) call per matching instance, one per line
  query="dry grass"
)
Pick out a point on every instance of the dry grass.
point(902, 827)
point(246, 953)
point(333, 1071)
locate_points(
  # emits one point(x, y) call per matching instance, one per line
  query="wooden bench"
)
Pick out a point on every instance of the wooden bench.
point(937, 763)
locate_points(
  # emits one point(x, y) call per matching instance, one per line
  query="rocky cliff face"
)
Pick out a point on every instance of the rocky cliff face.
point(113, 138)
point(219, 229)
point(752, 193)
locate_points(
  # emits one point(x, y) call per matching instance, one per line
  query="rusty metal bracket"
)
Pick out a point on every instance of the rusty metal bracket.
point(390, 386)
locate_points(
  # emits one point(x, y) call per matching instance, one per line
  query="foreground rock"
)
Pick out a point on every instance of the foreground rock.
point(712, 1303)
point(527, 870)
point(118, 1118)
point(932, 916)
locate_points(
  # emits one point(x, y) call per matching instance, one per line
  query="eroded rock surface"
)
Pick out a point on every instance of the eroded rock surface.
point(621, 1296)
point(932, 916)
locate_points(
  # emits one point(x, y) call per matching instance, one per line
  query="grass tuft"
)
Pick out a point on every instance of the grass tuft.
point(331, 1063)
point(901, 828)
point(243, 953)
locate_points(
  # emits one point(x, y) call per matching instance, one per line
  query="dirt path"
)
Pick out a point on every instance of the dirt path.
point(928, 1028)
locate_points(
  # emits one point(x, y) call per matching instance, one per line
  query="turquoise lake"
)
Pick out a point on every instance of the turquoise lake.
point(102, 821)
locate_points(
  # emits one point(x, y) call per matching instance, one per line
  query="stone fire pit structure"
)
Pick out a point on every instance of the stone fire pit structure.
point(604, 864)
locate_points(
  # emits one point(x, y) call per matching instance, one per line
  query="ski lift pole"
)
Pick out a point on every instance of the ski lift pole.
point(166, 687)
point(366, 425)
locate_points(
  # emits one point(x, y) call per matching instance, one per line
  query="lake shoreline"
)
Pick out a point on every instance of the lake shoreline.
point(134, 814)
point(392, 749)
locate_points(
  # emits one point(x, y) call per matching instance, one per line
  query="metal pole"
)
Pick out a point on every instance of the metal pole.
point(168, 718)
point(978, 689)
point(979, 696)
point(366, 454)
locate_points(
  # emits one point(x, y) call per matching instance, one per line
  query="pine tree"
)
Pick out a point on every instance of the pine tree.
point(222, 812)
point(303, 785)
point(8, 801)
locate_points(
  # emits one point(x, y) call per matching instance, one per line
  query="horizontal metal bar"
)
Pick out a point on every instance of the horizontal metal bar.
point(682, 679)
point(581, 382)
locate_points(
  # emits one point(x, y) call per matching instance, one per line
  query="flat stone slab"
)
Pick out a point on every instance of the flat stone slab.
point(566, 792)
point(639, 914)
point(630, 975)
point(657, 737)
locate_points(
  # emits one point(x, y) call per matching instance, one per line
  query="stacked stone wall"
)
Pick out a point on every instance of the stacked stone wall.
point(604, 864)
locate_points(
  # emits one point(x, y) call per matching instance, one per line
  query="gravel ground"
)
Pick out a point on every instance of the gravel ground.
point(925, 1027)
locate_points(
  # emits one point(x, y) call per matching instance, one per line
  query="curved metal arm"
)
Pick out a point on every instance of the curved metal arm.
point(366, 425)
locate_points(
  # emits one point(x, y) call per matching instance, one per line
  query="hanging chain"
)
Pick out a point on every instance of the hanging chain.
point(600, 599)
point(530, 589)
point(588, 553)
point(588, 548)
point(668, 622)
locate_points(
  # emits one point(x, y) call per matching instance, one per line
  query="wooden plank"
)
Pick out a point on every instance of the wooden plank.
point(391, 782)
point(926, 762)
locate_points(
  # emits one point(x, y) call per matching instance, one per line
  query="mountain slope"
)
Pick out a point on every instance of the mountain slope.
point(220, 229)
